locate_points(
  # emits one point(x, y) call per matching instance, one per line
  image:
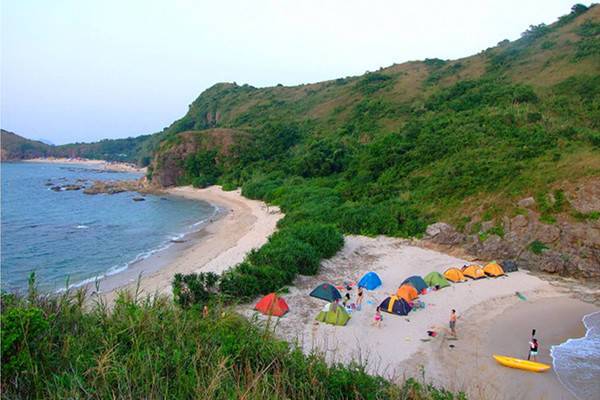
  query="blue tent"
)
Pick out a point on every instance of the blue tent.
point(417, 282)
point(370, 281)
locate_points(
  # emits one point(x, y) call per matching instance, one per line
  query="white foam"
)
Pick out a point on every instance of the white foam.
point(577, 361)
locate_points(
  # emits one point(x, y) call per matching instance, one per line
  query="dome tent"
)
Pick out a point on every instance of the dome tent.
point(493, 270)
point(336, 315)
point(327, 292)
point(473, 272)
point(370, 281)
point(417, 282)
point(407, 292)
point(272, 304)
point(395, 305)
point(454, 275)
point(435, 279)
point(509, 266)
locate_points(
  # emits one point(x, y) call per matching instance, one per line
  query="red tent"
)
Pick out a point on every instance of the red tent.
point(271, 304)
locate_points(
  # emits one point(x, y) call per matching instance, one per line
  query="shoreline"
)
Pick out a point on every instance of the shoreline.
point(240, 226)
point(116, 166)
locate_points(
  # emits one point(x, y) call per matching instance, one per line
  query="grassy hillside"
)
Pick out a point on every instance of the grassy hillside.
point(413, 142)
point(15, 147)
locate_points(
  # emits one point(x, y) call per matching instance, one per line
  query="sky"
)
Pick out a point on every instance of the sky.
point(86, 70)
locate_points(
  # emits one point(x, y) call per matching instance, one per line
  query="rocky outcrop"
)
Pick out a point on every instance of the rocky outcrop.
point(570, 246)
point(168, 164)
point(113, 187)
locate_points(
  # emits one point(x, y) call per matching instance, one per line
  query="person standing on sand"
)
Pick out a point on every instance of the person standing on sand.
point(359, 298)
point(453, 322)
point(533, 349)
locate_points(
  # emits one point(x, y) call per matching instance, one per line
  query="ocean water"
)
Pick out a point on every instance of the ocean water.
point(71, 234)
point(577, 361)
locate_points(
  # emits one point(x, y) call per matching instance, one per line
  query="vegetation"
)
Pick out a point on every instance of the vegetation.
point(57, 347)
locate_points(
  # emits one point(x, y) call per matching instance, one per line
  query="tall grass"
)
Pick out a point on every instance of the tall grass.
point(147, 348)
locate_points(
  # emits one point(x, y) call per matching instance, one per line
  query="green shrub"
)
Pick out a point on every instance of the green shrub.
point(287, 253)
point(537, 247)
point(194, 288)
point(324, 238)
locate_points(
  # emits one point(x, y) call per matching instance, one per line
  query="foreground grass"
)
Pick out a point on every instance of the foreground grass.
point(60, 348)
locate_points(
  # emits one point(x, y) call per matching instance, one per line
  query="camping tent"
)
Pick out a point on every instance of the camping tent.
point(272, 304)
point(473, 272)
point(395, 305)
point(436, 279)
point(454, 275)
point(327, 292)
point(370, 281)
point(336, 315)
point(493, 269)
point(417, 282)
point(509, 266)
point(407, 292)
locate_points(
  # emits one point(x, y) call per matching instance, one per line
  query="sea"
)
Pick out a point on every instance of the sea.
point(577, 361)
point(71, 238)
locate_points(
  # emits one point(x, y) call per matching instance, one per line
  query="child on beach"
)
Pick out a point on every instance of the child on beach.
point(359, 298)
point(533, 349)
point(378, 318)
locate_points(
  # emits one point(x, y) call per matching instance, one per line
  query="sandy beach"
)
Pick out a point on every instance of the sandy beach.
point(100, 164)
point(243, 225)
point(492, 320)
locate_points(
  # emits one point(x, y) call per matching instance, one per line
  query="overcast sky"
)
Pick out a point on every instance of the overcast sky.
point(86, 70)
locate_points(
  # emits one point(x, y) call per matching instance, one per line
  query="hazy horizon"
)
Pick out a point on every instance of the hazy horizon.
point(83, 72)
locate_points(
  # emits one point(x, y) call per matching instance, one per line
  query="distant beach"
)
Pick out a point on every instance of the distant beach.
point(101, 164)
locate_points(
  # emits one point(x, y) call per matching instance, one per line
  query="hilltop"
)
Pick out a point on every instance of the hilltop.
point(502, 145)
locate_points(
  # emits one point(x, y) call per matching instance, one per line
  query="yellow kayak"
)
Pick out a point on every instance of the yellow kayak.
point(521, 364)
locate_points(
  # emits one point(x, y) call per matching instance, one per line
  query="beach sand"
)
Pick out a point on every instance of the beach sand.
point(100, 164)
point(492, 320)
point(243, 225)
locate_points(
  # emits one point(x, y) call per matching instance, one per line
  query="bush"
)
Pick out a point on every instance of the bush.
point(287, 253)
point(537, 247)
point(326, 239)
point(194, 288)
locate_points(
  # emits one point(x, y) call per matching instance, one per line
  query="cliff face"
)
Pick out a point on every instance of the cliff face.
point(168, 164)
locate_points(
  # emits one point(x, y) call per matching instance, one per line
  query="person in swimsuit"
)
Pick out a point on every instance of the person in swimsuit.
point(378, 318)
point(533, 349)
point(453, 322)
point(359, 298)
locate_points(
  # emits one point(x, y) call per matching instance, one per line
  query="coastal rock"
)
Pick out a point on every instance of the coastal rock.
point(56, 188)
point(443, 233)
point(113, 187)
point(519, 221)
point(547, 233)
point(71, 187)
point(139, 199)
point(526, 202)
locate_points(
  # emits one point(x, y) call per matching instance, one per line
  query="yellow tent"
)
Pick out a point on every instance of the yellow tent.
point(473, 272)
point(493, 269)
point(454, 275)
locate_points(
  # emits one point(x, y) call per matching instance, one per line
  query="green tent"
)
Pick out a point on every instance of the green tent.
point(436, 279)
point(338, 316)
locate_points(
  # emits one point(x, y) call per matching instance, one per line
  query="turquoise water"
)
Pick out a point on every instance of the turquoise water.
point(71, 234)
point(577, 361)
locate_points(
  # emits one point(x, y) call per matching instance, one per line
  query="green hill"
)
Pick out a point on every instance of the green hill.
point(418, 141)
point(135, 150)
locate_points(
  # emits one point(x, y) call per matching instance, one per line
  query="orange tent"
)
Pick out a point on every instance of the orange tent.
point(493, 269)
point(271, 304)
point(473, 272)
point(407, 292)
point(454, 275)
